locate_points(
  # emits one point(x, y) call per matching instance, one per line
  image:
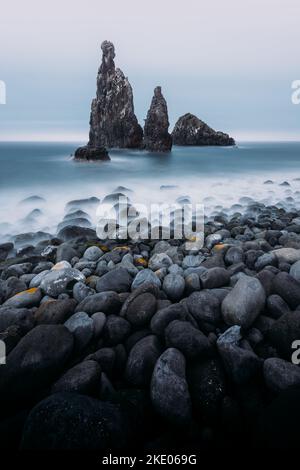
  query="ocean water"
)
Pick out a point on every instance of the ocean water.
point(216, 177)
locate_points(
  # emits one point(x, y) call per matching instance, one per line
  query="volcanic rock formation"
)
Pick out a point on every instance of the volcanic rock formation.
point(113, 122)
point(156, 135)
point(91, 153)
point(190, 130)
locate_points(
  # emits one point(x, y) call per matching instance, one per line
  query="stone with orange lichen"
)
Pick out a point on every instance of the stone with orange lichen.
point(141, 262)
point(25, 299)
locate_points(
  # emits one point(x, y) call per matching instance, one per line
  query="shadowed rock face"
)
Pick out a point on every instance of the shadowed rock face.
point(112, 121)
point(156, 135)
point(91, 153)
point(190, 130)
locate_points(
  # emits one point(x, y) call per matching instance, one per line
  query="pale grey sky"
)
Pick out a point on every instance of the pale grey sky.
point(230, 62)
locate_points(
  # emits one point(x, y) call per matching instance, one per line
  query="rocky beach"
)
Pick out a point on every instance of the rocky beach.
point(121, 344)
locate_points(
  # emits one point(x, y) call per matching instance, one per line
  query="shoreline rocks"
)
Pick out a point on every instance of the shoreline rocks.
point(149, 339)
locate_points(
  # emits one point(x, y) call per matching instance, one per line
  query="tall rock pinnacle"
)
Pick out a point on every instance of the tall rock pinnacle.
point(156, 135)
point(112, 121)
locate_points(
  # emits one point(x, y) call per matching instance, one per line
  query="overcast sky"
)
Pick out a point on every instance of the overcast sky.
point(230, 62)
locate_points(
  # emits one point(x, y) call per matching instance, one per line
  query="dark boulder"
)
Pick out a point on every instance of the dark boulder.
point(189, 130)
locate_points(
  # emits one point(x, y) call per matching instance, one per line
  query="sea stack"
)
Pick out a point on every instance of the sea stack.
point(113, 122)
point(112, 119)
point(156, 135)
point(190, 130)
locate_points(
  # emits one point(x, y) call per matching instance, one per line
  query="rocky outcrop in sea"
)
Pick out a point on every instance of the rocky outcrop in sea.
point(112, 121)
point(87, 153)
point(190, 130)
point(156, 130)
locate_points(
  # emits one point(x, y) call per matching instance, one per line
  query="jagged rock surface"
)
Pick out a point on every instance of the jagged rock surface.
point(156, 135)
point(90, 153)
point(112, 121)
point(190, 130)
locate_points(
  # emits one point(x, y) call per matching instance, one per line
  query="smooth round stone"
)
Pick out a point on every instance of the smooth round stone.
point(175, 269)
point(106, 302)
point(141, 361)
point(287, 255)
point(163, 317)
point(83, 378)
point(93, 253)
point(288, 288)
point(205, 307)
point(169, 389)
point(159, 260)
point(267, 259)
point(234, 255)
point(276, 306)
point(214, 277)
point(21, 317)
point(117, 280)
point(75, 421)
point(27, 278)
point(99, 319)
point(37, 359)
point(26, 299)
point(188, 339)
point(283, 332)
point(81, 291)
point(54, 311)
point(145, 276)
point(60, 279)
point(242, 365)
point(192, 283)
point(141, 309)
point(161, 247)
point(106, 358)
point(192, 261)
point(13, 286)
point(244, 302)
point(280, 375)
point(295, 271)
point(173, 286)
point(65, 253)
point(37, 279)
point(82, 327)
point(116, 330)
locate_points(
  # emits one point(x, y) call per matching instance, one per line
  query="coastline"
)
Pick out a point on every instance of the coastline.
point(181, 335)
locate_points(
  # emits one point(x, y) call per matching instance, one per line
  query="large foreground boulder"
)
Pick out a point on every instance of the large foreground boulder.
point(35, 362)
point(70, 421)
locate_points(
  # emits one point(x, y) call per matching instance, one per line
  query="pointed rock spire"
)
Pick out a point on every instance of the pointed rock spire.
point(156, 135)
point(112, 121)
